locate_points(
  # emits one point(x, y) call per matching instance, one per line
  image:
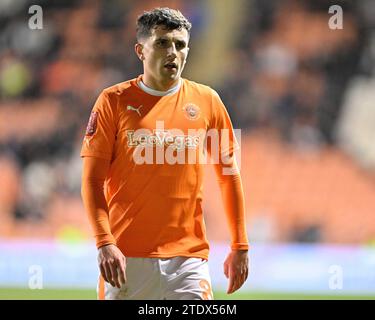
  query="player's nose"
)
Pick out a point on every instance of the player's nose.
point(172, 51)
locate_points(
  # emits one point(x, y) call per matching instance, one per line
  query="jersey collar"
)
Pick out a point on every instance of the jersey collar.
point(153, 92)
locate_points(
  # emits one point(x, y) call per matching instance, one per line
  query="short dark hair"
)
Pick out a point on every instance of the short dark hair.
point(170, 18)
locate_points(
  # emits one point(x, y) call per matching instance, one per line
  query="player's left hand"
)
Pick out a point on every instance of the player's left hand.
point(236, 268)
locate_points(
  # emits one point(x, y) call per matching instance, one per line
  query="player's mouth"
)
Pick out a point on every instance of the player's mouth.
point(171, 66)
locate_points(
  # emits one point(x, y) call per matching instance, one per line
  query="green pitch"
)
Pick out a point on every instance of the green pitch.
point(62, 294)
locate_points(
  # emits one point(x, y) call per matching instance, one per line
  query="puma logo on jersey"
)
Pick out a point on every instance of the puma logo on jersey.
point(131, 108)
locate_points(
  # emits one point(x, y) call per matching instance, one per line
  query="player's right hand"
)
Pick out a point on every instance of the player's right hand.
point(112, 264)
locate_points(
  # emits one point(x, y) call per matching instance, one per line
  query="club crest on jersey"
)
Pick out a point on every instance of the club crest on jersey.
point(191, 111)
point(91, 126)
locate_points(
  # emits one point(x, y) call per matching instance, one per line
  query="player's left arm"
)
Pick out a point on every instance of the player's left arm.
point(236, 266)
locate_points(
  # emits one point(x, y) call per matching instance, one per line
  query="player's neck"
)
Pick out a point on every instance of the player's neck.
point(158, 85)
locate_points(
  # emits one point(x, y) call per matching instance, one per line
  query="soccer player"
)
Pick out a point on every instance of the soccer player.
point(146, 207)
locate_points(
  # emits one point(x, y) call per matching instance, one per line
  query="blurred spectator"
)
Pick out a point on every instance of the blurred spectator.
point(15, 76)
point(356, 129)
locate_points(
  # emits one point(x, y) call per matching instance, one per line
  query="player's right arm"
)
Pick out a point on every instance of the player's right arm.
point(111, 261)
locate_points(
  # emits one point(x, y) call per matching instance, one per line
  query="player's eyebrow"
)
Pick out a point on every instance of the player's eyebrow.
point(181, 41)
point(162, 38)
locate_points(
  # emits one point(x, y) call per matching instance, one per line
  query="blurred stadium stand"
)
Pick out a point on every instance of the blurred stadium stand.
point(302, 94)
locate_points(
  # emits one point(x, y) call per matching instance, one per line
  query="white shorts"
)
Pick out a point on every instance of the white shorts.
point(178, 278)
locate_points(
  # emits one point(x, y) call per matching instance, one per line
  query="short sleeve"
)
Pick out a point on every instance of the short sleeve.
point(101, 129)
point(221, 127)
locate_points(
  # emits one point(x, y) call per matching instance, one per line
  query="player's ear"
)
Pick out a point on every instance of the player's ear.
point(139, 51)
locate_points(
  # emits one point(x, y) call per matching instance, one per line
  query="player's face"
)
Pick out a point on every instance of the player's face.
point(164, 55)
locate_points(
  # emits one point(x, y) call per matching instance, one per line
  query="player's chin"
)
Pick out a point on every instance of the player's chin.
point(172, 76)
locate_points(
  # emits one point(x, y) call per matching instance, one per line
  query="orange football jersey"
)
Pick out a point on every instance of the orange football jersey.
point(155, 205)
